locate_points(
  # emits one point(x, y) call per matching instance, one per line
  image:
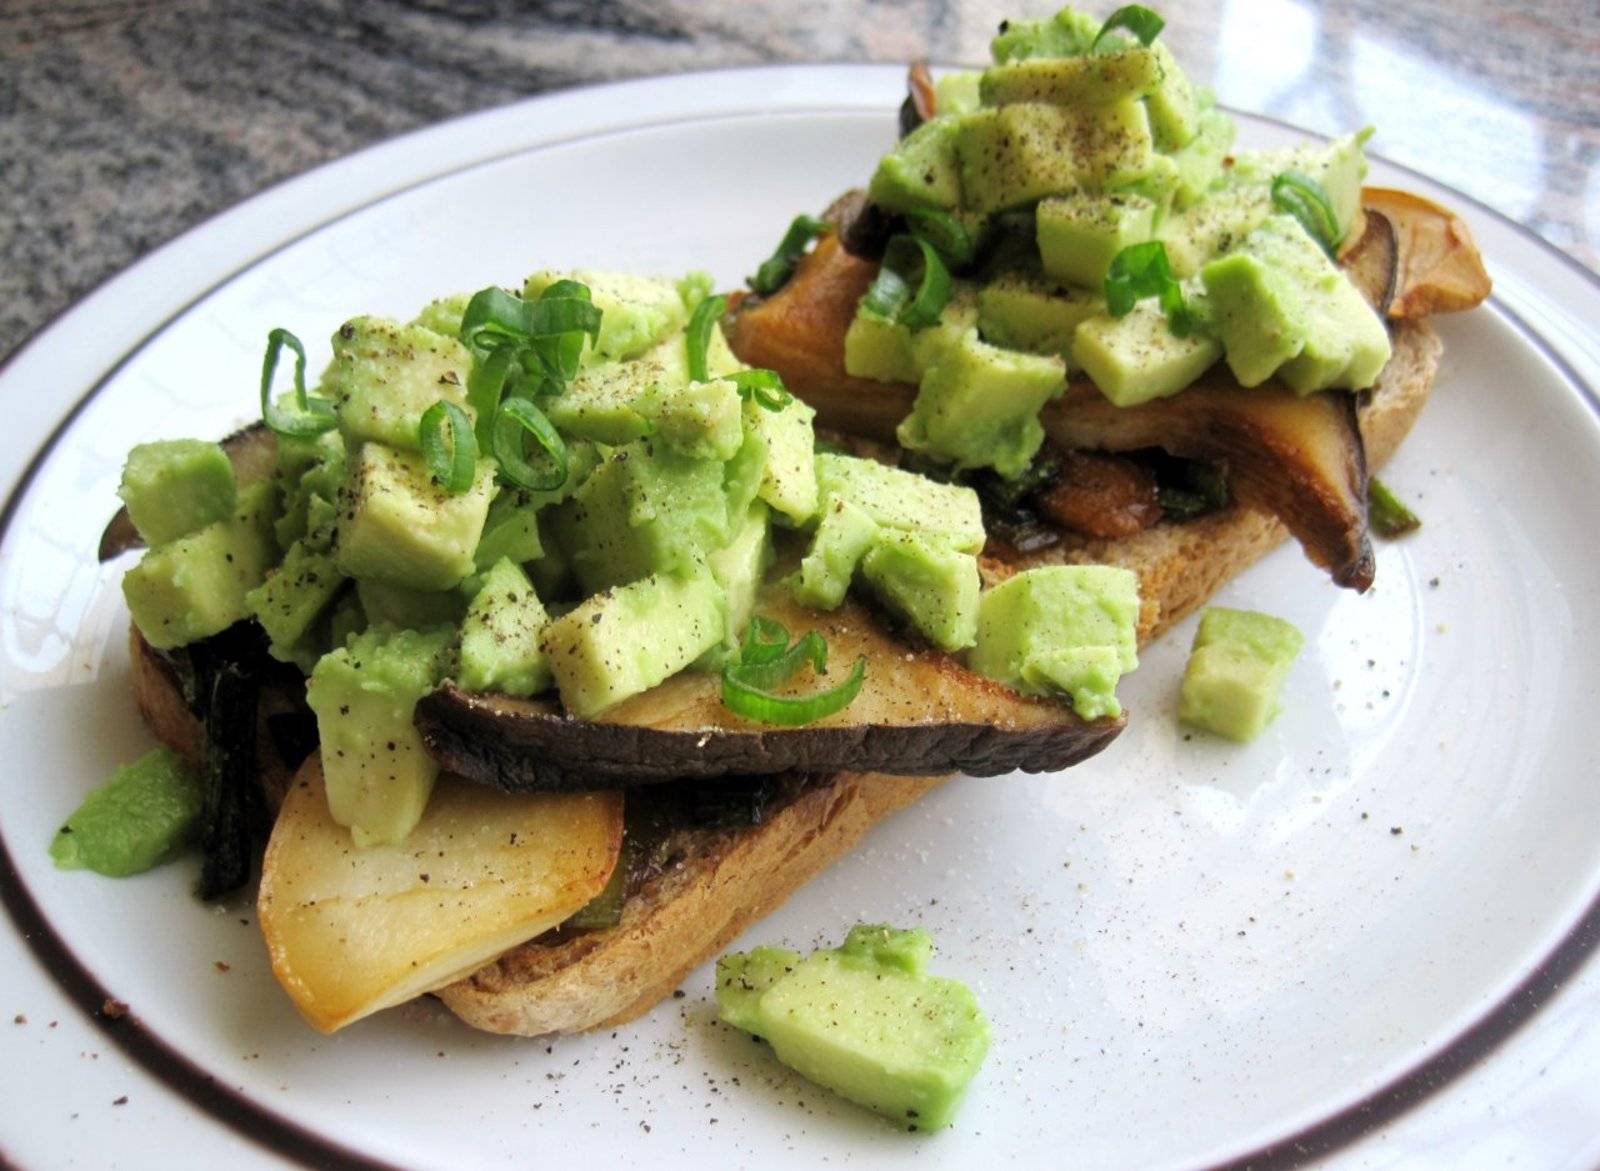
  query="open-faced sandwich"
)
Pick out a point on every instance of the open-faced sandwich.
point(1065, 288)
point(555, 647)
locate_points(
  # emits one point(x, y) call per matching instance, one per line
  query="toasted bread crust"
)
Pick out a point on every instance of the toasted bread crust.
point(686, 915)
point(681, 918)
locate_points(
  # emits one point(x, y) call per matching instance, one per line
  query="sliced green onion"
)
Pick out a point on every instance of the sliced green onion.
point(486, 384)
point(754, 703)
point(1137, 19)
point(495, 318)
point(308, 414)
point(763, 387)
point(453, 463)
point(764, 640)
point(773, 272)
point(701, 322)
point(948, 235)
point(1307, 200)
point(909, 259)
point(516, 420)
point(1387, 515)
point(1142, 270)
point(764, 664)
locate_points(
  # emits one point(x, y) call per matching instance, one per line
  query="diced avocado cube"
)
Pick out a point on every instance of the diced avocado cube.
point(1071, 81)
point(645, 509)
point(500, 638)
point(626, 640)
point(176, 486)
point(1158, 184)
point(385, 375)
point(902, 1044)
point(1213, 226)
point(905, 949)
point(1136, 358)
point(1258, 313)
point(1339, 166)
point(957, 92)
point(1080, 234)
point(195, 586)
point(789, 474)
point(444, 315)
point(378, 773)
point(1061, 629)
point(1236, 670)
point(392, 605)
point(929, 584)
point(636, 312)
point(511, 530)
point(345, 620)
point(921, 171)
point(694, 287)
point(399, 527)
point(1022, 311)
point(701, 420)
point(738, 568)
point(876, 347)
point(1199, 161)
point(310, 473)
point(1280, 275)
point(293, 596)
point(890, 352)
point(978, 406)
point(843, 538)
point(902, 500)
point(1173, 108)
point(1068, 33)
point(742, 978)
point(742, 475)
point(144, 814)
point(1020, 153)
point(614, 402)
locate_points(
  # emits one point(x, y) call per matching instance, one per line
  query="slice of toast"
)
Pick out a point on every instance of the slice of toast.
point(722, 880)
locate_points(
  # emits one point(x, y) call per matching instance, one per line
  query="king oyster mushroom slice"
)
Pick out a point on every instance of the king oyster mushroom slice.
point(1299, 457)
point(919, 712)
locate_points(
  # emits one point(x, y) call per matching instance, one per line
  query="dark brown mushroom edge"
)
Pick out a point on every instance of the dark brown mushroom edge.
point(919, 712)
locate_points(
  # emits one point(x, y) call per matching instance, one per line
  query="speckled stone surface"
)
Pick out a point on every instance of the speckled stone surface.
point(124, 122)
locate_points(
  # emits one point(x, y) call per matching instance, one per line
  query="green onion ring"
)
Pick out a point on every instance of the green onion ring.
point(890, 296)
point(1137, 19)
point(755, 703)
point(946, 233)
point(701, 322)
point(765, 388)
point(495, 318)
point(774, 272)
point(310, 415)
point(452, 468)
point(516, 419)
point(764, 641)
point(1307, 200)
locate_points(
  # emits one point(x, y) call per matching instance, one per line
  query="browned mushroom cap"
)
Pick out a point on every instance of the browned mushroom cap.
point(253, 453)
point(919, 712)
point(1440, 269)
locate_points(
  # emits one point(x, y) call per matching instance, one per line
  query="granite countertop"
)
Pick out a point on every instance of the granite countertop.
point(125, 122)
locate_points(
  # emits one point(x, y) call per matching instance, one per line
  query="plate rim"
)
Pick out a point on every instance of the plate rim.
point(277, 1132)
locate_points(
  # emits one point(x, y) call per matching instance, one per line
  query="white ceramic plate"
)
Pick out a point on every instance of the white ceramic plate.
point(1189, 952)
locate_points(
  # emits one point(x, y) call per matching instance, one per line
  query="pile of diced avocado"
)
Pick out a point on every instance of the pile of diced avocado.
point(1057, 158)
point(380, 582)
